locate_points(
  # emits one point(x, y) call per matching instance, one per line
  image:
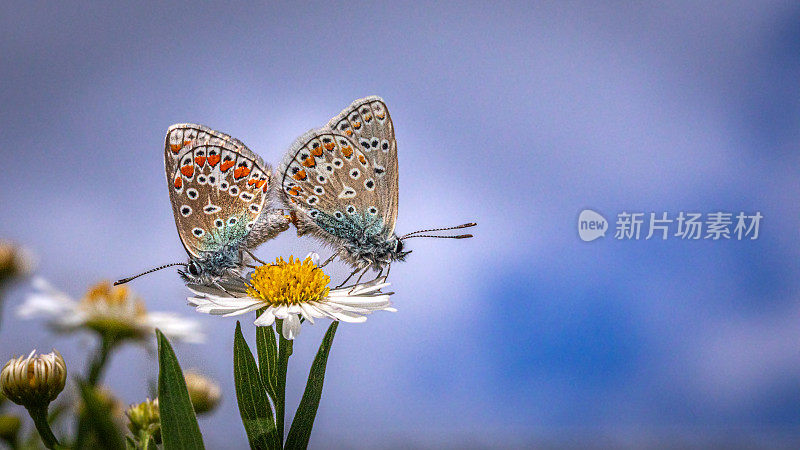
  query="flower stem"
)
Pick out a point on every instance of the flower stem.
point(284, 352)
point(144, 439)
point(39, 416)
point(98, 363)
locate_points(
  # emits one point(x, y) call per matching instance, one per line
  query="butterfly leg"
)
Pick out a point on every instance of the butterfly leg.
point(348, 277)
point(366, 269)
point(254, 256)
point(388, 269)
point(328, 260)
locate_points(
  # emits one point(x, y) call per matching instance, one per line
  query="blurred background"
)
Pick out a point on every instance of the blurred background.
point(513, 115)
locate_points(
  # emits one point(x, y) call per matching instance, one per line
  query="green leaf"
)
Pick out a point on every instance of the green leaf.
point(267, 349)
point(253, 403)
point(179, 429)
point(99, 415)
point(284, 352)
point(300, 432)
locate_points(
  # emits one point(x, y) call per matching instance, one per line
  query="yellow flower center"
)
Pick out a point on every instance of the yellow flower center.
point(113, 309)
point(289, 283)
point(112, 299)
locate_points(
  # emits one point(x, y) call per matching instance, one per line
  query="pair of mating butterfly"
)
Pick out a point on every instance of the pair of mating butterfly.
point(338, 182)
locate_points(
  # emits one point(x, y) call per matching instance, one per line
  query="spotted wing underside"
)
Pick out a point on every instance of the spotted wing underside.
point(333, 187)
point(217, 186)
point(367, 122)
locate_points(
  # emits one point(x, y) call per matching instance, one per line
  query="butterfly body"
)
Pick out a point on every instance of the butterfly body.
point(341, 184)
point(220, 191)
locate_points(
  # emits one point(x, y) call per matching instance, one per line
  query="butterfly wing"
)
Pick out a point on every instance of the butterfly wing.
point(217, 186)
point(367, 122)
point(334, 189)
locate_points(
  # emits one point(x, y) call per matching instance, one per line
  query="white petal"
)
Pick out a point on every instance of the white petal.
point(307, 312)
point(243, 310)
point(338, 314)
point(176, 327)
point(281, 312)
point(291, 327)
point(266, 319)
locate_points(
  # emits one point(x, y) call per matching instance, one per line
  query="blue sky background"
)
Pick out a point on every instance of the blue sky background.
point(514, 115)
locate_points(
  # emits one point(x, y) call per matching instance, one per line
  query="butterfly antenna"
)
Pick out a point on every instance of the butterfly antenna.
point(461, 236)
point(125, 280)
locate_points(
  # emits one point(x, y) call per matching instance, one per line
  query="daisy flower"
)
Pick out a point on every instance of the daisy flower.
point(106, 309)
point(291, 290)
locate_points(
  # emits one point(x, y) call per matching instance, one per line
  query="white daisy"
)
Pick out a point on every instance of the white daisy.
point(105, 309)
point(290, 291)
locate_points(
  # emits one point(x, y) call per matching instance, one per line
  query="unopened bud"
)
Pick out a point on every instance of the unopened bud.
point(144, 417)
point(203, 392)
point(34, 381)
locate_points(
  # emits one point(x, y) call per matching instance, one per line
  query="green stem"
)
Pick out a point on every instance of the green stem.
point(144, 439)
point(98, 363)
point(39, 416)
point(96, 367)
point(284, 352)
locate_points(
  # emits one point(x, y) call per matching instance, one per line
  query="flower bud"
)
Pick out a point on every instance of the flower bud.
point(144, 417)
point(15, 261)
point(203, 392)
point(34, 381)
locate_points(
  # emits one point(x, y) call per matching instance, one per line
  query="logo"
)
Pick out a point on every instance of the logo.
point(591, 225)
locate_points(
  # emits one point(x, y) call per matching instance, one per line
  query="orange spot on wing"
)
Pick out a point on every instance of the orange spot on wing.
point(185, 143)
point(175, 147)
point(241, 172)
point(300, 176)
point(178, 182)
point(347, 151)
point(213, 160)
point(330, 146)
point(381, 116)
point(361, 158)
point(367, 118)
point(260, 183)
point(356, 125)
point(227, 165)
point(293, 191)
point(200, 160)
point(348, 132)
point(266, 187)
point(316, 151)
point(187, 170)
point(310, 162)
point(252, 181)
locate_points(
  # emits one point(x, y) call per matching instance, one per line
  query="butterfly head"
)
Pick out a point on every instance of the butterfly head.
point(194, 273)
point(398, 253)
point(211, 267)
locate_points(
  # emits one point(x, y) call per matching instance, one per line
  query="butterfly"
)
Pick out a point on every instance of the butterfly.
point(340, 183)
point(220, 194)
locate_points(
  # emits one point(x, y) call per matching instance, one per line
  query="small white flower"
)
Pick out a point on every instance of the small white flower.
point(105, 309)
point(290, 291)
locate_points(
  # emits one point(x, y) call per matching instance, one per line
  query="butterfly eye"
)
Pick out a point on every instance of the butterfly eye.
point(193, 269)
point(399, 247)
